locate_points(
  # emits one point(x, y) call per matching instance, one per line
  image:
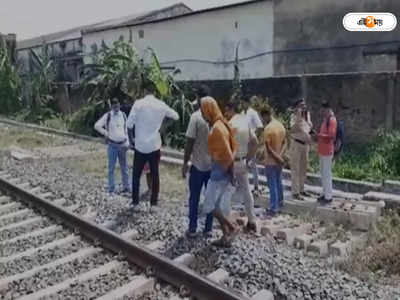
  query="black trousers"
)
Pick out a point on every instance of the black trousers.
point(139, 161)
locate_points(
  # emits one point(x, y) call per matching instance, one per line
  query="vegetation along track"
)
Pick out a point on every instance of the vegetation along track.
point(69, 256)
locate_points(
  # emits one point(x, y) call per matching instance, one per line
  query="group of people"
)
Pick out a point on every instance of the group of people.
point(220, 150)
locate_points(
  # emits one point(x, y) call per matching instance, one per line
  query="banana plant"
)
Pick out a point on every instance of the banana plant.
point(9, 82)
point(39, 87)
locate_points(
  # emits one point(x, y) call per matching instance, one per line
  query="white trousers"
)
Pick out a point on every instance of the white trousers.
point(325, 164)
point(241, 176)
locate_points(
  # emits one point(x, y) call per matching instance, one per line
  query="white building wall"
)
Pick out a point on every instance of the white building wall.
point(210, 36)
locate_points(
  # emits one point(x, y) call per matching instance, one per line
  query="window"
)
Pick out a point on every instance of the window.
point(141, 34)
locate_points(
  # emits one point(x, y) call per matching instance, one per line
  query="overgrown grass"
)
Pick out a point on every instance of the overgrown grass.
point(374, 162)
point(380, 257)
point(27, 139)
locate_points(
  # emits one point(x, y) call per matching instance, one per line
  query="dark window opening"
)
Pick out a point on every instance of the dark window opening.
point(141, 34)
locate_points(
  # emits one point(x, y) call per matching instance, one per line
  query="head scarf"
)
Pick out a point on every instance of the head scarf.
point(220, 143)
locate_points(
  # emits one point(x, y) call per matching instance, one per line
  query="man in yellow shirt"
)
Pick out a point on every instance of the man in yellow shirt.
point(275, 145)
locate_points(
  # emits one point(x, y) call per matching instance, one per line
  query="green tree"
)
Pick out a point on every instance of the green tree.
point(9, 83)
point(38, 88)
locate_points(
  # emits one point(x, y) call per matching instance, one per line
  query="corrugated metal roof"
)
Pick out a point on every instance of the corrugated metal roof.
point(191, 13)
point(139, 18)
point(76, 33)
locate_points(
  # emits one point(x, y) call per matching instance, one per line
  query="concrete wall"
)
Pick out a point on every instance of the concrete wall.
point(65, 54)
point(318, 23)
point(364, 102)
point(210, 36)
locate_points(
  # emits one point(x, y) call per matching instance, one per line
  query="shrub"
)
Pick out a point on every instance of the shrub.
point(381, 254)
point(9, 83)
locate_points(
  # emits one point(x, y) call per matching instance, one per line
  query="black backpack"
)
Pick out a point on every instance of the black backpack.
point(339, 139)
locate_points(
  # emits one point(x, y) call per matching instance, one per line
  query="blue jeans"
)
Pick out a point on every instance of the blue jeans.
point(274, 178)
point(197, 179)
point(115, 152)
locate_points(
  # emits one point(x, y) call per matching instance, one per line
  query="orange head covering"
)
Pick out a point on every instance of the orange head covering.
point(220, 143)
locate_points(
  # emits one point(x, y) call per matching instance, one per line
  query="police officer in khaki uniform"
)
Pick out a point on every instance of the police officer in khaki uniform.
point(300, 129)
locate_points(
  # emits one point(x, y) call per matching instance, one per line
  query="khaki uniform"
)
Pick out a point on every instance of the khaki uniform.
point(299, 149)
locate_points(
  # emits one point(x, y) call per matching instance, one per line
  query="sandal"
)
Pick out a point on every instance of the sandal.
point(233, 235)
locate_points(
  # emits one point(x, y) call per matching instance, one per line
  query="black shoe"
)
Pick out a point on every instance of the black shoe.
point(321, 199)
point(326, 201)
point(191, 235)
point(270, 214)
point(207, 234)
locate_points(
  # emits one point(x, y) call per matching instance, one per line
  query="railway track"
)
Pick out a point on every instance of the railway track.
point(37, 239)
point(49, 250)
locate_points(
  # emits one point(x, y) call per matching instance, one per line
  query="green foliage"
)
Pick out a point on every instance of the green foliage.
point(9, 83)
point(174, 97)
point(38, 89)
point(376, 161)
point(386, 158)
point(58, 121)
point(119, 72)
point(83, 120)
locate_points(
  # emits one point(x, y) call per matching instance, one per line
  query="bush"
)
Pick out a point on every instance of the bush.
point(386, 154)
point(381, 254)
point(9, 83)
point(372, 162)
point(58, 122)
point(119, 72)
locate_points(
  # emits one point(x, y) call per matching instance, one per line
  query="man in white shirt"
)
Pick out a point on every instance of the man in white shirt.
point(247, 147)
point(256, 126)
point(113, 126)
point(147, 116)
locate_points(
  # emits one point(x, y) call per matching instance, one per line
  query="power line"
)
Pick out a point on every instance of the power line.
point(338, 47)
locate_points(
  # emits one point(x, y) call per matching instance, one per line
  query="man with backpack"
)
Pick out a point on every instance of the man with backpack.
point(326, 149)
point(112, 125)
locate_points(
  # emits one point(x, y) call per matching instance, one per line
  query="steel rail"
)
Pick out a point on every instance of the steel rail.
point(162, 267)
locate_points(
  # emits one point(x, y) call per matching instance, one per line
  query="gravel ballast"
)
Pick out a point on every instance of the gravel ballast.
point(99, 286)
point(32, 242)
point(26, 263)
point(50, 277)
point(254, 263)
